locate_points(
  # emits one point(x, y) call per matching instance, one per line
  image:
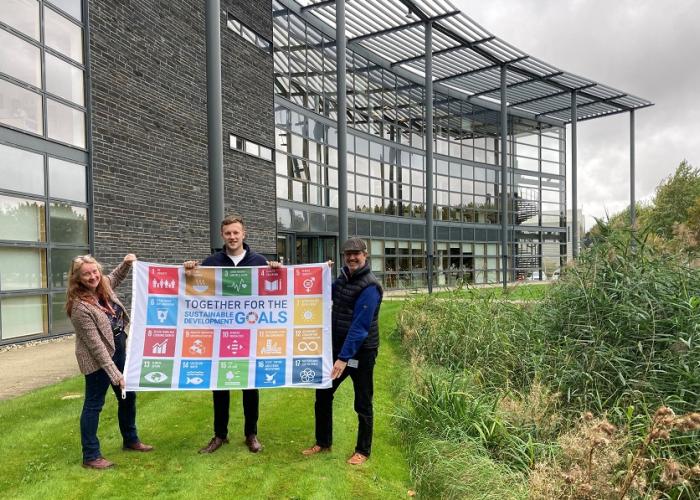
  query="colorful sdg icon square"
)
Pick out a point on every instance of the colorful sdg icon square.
point(232, 374)
point(156, 373)
point(234, 344)
point(307, 370)
point(272, 281)
point(237, 282)
point(308, 341)
point(161, 311)
point(308, 311)
point(272, 342)
point(197, 343)
point(194, 374)
point(163, 280)
point(159, 342)
point(201, 281)
point(270, 372)
point(308, 280)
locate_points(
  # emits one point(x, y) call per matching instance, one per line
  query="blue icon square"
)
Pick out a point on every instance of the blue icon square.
point(162, 311)
point(270, 372)
point(195, 374)
point(307, 371)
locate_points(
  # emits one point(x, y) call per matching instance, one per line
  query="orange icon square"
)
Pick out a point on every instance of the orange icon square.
point(200, 281)
point(308, 341)
point(197, 343)
point(272, 342)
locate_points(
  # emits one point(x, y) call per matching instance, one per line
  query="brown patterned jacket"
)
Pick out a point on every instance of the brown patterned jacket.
point(94, 340)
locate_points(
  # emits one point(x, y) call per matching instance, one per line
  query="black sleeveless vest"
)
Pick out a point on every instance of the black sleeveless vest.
point(346, 291)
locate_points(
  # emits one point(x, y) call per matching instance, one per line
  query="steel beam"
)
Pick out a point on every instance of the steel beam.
point(504, 178)
point(633, 208)
point(215, 147)
point(574, 177)
point(428, 97)
point(342, 125)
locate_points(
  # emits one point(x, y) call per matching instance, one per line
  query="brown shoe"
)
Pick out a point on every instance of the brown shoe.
point(214, 444)
point(138, 446)
point(357, 459)
point(98, 463)
point(253, 444)
point(315, 449)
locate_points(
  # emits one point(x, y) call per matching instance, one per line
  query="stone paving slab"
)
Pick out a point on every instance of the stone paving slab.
point(24, 368)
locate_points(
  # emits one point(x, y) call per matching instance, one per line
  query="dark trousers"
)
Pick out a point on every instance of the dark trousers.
point(251, 403)
point(96, 385)
point(363, 383)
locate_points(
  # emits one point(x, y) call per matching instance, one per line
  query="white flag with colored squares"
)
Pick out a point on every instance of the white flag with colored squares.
point(229, 328)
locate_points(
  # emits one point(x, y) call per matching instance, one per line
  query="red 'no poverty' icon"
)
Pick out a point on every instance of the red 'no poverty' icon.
point(163, 280)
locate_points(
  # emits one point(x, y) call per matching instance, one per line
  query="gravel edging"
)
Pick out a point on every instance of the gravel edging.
point(30, 343)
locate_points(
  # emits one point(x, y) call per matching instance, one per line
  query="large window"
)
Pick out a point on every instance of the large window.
point(42, 85)
point(43, 225)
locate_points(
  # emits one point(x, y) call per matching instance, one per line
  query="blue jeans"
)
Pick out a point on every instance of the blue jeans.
point(96, 385)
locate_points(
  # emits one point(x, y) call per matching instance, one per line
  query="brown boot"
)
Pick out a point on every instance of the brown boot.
point(214, 444)
point(253, 444)
point(138, 446)
point(315, 449)
point(98, 463)
point(357, 459)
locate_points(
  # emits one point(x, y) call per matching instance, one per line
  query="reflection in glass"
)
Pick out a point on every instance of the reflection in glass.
point(67, 180)
point(22, 268)
point(68, 224)
point(23, 15)
point(20, 108)
point(64, 80)
point(19, 59)
point(23, 316)
point(60, 323)
point(61, 259)
point(65, 124)
point(71, 7)
point(21, 170)
point(63, 35)
point(21, 219)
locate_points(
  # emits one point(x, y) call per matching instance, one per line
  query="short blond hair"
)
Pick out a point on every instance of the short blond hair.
point(232, 219)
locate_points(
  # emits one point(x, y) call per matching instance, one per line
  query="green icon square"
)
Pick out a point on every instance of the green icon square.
point(236, 282)
point(233, 374)
point(156, 373)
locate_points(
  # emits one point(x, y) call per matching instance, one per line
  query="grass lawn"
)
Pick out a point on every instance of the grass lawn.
point(41, 455)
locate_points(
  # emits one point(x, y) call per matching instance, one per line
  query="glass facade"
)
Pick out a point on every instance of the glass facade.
point(44, 210)
point(386, 169)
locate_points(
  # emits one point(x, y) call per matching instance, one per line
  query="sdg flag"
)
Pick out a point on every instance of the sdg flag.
point(229, 328)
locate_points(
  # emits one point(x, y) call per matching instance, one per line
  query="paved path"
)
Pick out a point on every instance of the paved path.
point(25, 368)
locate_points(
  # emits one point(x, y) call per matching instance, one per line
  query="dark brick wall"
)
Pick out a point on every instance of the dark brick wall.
point(148, 66)
point(247, 82)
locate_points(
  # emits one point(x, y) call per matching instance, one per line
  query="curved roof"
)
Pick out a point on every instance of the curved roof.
point(468, 58)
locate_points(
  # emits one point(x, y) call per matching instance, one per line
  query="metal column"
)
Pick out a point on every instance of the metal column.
point(215, 145)
point(341, 98)
point(574, 178)
point(633, 210)
point(428, 99)
point(504, 179)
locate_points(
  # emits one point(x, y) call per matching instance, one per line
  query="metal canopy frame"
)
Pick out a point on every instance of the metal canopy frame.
point(467, 58)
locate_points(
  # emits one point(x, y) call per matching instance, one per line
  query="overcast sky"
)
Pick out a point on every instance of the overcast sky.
point(648, 48)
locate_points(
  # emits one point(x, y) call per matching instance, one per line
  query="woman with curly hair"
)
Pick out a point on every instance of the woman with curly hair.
point(100, 321)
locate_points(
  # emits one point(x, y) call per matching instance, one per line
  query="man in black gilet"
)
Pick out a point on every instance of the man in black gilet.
point(357, 295)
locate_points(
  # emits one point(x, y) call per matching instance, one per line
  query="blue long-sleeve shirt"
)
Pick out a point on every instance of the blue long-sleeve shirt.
point(362, 315)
